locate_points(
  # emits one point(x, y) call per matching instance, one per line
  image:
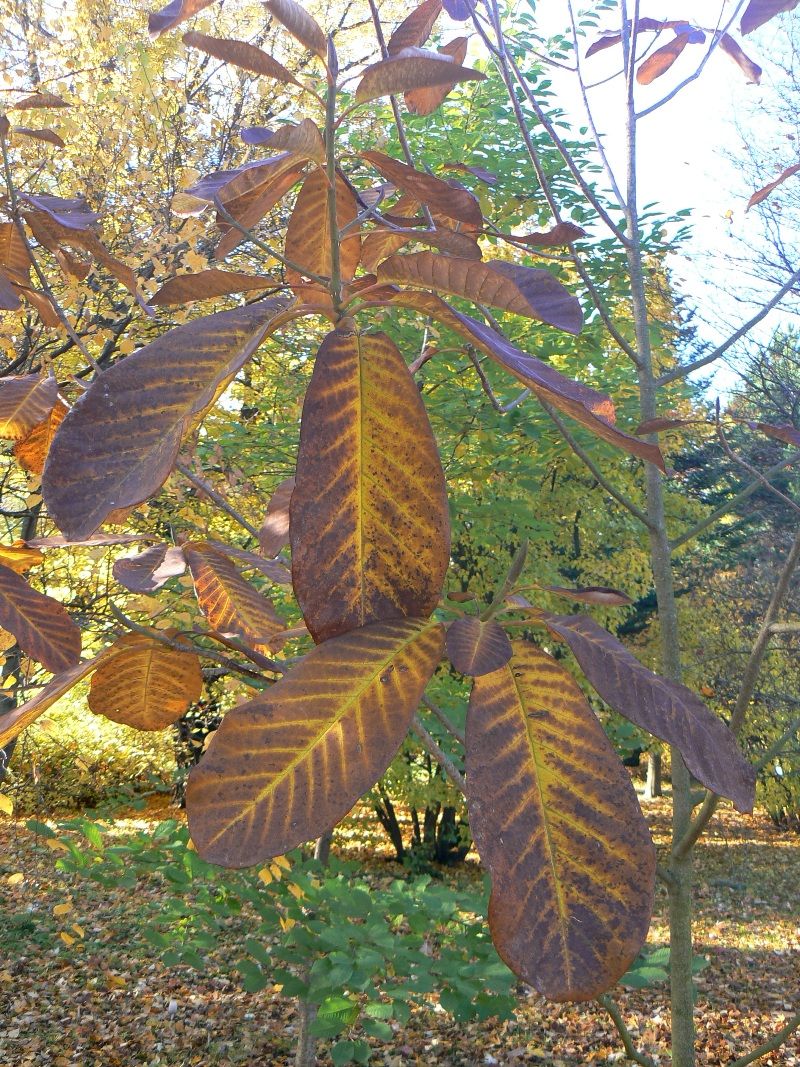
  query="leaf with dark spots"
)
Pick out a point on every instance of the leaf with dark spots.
point(477, 646)
point(664, 708)
point(557, 823)
point(150, 569)
point(117, 445)
point(369, 522)
point(25, 402)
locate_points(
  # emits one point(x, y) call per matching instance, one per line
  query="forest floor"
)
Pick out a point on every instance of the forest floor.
point(101, 1001)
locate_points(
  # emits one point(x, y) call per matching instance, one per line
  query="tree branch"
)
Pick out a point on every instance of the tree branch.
point(441, 757)
point(768, 1046)
point(444, 719)
point(218, 499)
point(630, 1049)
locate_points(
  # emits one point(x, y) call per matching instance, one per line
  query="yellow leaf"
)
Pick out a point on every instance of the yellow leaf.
point(63, 909)
point(6, 976)
point(67, 939)
point(265, 876)
point(296, 891)
point(78, 930)
point(15, 879)
point(10, 681)
point(287, 924)
point(282, 861)
point(55, 843)
point(6, 804)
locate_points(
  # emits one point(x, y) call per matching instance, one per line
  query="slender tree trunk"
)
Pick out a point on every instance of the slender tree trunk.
point(306, 1050)
point(652, 787)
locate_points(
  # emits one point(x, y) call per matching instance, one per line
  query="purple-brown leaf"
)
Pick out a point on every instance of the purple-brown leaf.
point(206, 284)
point(476, 646)
point(240, 54)
point(415, 30)
point(150, 569)
point(591, 594)
point(758, 12)
point(174, 14)
point(274, 531)
point(42, 627)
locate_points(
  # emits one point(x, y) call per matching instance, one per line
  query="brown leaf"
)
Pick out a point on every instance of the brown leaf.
point(241, 54)
point(762, 194)
point(14, 256)
point(17, 720)
point(662, 59)
point(660, 425)
point(608, 40)
point(275, 571)
point(9, 300)
point(459, 10)
point(25, 401)
point(304, 139)
point(20, 557)
point(31, 451)
point(50, 136)
point(299, 24)
point(287, 766)
point(274, 532)
point(556, 821)
point(480, 173)
point(206, 284)
point(369, 523)
point(476, 647)
point(424, 100)
point(231, 604)
point(455, 203)
point(39, 100)
point(308, 236)
point(380, 244)
point(591, 594)
point(174, 14)
point(524, 290)
point(732, 48)
point(758, 12)
point(59, 541)
point(119, 442)
point(249, 208)
point(592, 409)
point(45, 308)
point(787, 433)
point(71, 214)
point(150, 569)
point(564, 233)
point(664, 708)
point(42, 627)
point(144, 683)
point(415, 30)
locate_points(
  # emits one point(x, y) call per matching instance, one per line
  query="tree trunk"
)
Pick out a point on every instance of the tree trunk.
point(652, 787)
point(306, 1051)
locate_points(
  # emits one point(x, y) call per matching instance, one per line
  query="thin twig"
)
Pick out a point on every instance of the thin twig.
point(441, 757)
point(723, 509)
point(444, 719)
point(502, 409)
point(776, 747)
point(690, 368)
point(625, 1035)
point(218, 499)
point(742, 462)
point(769, 1046)
point(598, 475)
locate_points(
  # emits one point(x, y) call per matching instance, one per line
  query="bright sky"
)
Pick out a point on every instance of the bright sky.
point(682, 146)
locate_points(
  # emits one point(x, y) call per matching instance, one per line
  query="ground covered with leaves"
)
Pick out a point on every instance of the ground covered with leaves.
point(79, 985)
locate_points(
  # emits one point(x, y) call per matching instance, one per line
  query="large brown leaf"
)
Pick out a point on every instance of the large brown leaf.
point(31, 451)
point(250, 207)
point(241, 54)
point(749, 67)
point(425, 99)
point(9, 300)
point(17, 720)
point(758, 12)
point(206, 284)
point(369, 520)
point(231, 604)
point(308, 235)
point(49, 136)
point(144, 683)
point(593, 410)
point(289, 765)
point(174, 14)
point(413, 69)
point(274, 531)
point(14, 258)
point(42, 627)
point(150, 569)
point(453, 201)
point(25, 401)
point(119, 442)
point(300, 25)
point(764, 192)
point(415, 30)
point(556, 820)
point(529, 291)
point(380, 244)
point(664, 708)
point(304, 139)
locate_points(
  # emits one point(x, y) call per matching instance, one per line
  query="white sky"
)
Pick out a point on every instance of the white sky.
point(682, 147)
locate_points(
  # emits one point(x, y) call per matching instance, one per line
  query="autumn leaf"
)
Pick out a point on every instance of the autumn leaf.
point(287, 766)
point(413, 69)
point(308, 236)
point(369, 522)
point(273, 534)
point(119, 442)
point(150, 569)
point(415, 30)
point(764, 192)
point(25, 402)
point(591, 594)
point(758, 12)
point(144, 683)
point(174, 14)
point(40, 624)
point(455, 203)
point(241, 54)
point(664, 708)
point(22, 716)
point(20, 557)
point(476, 646)
point(660, 61)
point(207, 284)
point(556, 821)
point(300, 25)
point(424, 100)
